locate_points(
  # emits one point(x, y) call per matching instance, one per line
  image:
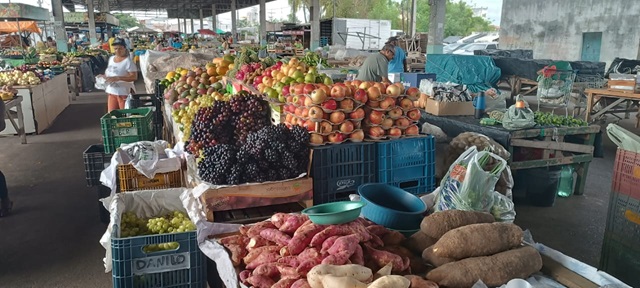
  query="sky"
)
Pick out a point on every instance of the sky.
point(275, 10)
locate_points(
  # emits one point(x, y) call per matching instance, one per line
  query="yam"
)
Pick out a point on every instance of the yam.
point(384, 271)
point(433, 260)
point(339, 281)
point(391, 281)
point(393, 238)
point(358, 272)
point(419, 282)
point(301, 283)
point(418, 242)
point(478, 240)
point(494, 270)
point(439, 223)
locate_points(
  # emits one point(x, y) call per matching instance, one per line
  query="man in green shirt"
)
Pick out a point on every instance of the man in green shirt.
point(376, 66)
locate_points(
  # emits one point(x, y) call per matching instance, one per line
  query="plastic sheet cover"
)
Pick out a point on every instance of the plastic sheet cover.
point(479, 73)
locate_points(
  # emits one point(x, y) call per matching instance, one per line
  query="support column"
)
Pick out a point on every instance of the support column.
point(234, 29)
point(263, 23)
point(58, 26)
point(92, 22)
point(179, 25)
point(105, 9)
point(201, 19)
point(214, 18)
point(315, 24)
point(192, 27)
point(185, 25)
point(436, 26)
point(414, 18)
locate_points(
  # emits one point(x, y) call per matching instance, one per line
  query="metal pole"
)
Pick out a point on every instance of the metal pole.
point(263, 23)
point(214, 20)
point(92, 22)
point(315, 24)
point(185, 25)
point(58, 26)
point(436, 28)
point(192, 27)
point(201, 19)
point(414, 6)
point(233, 20)
point(334, 9)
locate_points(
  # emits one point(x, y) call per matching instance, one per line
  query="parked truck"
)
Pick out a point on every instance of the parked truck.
point(361, 34)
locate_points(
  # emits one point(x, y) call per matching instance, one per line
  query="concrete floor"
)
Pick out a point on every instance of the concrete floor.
point(51, 239)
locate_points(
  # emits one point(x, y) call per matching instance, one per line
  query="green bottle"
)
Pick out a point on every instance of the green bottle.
point(565, 187)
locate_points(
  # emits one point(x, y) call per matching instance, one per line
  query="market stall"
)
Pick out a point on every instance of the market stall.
point(12, 115)
point(595, 96)
point(17, 17)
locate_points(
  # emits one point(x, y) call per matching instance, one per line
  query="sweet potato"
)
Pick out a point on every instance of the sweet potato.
point(415, 262)
point(244, 229)
point(275, 235)
point(258, 241)
point(358, 256)
point(284, 283)
point(278, 219)
point(237, 253)
point(306, 265)
point(393, 238)
point(435, 261)
point(478, 240)
point(345, 243)
point(309, 253)
point(390, 281)
point(494, 270)
point(256, 228)
point(302, 237)
point(341, 230)
point(383, 258)
point(292, 222)
point(301, 283)
point(288, 272)
point(439, 223)
point(339, 258)
point(419, 282)
point(257, 251)
point(375, 241)
point(418, 242)
point(306, 223)
point(364, 222)
point(260, 281)
point(357, 272)
point(267, 269)
point(291, 261)
point(234, 239)
point(244, 275)
point(379, 230)
point(328, 243)
point(262, 259)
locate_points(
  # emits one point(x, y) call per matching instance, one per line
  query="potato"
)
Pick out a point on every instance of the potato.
point(439, 223)
point(494, 270)
point(357, 272)
point(478, 240)
point(390, 281)
point(418, 242)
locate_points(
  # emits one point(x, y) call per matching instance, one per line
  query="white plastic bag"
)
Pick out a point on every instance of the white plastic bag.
point(101, 82)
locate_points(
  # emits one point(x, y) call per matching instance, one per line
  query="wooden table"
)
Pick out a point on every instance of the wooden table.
point(516, 83)
point(595, 95)
point(9, 114)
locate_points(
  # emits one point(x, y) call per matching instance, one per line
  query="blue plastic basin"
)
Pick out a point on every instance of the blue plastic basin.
point(391, 206)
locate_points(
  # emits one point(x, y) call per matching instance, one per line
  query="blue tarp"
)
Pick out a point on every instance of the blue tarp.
point(479, 73)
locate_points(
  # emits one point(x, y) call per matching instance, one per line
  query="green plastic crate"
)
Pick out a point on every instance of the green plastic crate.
point(128, 126)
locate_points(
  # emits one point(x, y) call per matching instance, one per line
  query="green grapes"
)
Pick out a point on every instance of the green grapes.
point(175, 222)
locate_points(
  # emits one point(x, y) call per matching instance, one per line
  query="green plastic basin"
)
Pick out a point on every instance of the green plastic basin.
point(335, 212)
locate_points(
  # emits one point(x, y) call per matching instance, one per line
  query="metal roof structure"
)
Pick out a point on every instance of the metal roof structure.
point(189, 9)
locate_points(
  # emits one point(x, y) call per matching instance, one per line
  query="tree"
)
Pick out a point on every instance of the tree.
point(127, 20)
point(459, 19)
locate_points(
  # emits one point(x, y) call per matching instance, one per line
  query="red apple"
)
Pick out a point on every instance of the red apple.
point(402, 122)
point(356, 82)
point(413, 92)
point(347, 83)
point(401, 86)
point(338, 91)
point(300, 122)
point(290, 99)
point(384, 104)
point(298, 111)
point(393, 90)
point(365, 85)
point(325, 127)
point(347, 127)
point(298, 100)
point(395, 112)
point(305, 112)
point(286, 90)
point(318, 96)
point(325, 88)
point(308, 88)
point(316, 139)
point(330, 104)
point(347, 104)
point(395, 132)
point(288, 118)
point(373, 104)
point(310, 125)
point(376, 131)
point(358, 114)
point(308, 102)
point(411, 130)
point(337, 117)
point(414, 114)
point(336, 137)
point(380, 86)
point(376, 117)
point(406, 103)
point(298, 89)
point(373, 93)
point(361, 95)
point(387, 123)
point(357, 136)
point(316, 113)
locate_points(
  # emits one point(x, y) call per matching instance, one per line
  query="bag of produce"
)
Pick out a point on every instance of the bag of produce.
point(518, 116)
point(470, 185)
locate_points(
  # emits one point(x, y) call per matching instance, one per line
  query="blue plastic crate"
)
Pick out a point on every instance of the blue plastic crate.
point(408, 163)
point(338, 170)
point(415, 78)
point(134, 268)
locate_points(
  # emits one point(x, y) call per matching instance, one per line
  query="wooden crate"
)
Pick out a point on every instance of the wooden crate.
point(256, 214)
point(131, 180)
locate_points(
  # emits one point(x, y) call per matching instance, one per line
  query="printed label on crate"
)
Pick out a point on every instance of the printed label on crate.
point(125, 132)
point(636, 171)
point(344, 184)
point(632, 216)
point(159, 180)
point(163, 263)
point(124, 124)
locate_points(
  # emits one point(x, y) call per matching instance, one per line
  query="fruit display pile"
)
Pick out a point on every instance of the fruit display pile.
point(550, 119)
point(276, 81)
point(7, 92)
point(176, 222)
point(48, 65)
point(272, 153)
point(332, 114)
point(17, 77)
point(390, 112)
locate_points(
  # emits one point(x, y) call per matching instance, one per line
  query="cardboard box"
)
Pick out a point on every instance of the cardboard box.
point(622, 85)
point(449, 108)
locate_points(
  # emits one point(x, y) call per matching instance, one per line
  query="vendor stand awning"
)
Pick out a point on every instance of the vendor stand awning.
point(20, 26)
point(210, 32)
point(17, 11)
point(142, 29)
point(83, 18)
